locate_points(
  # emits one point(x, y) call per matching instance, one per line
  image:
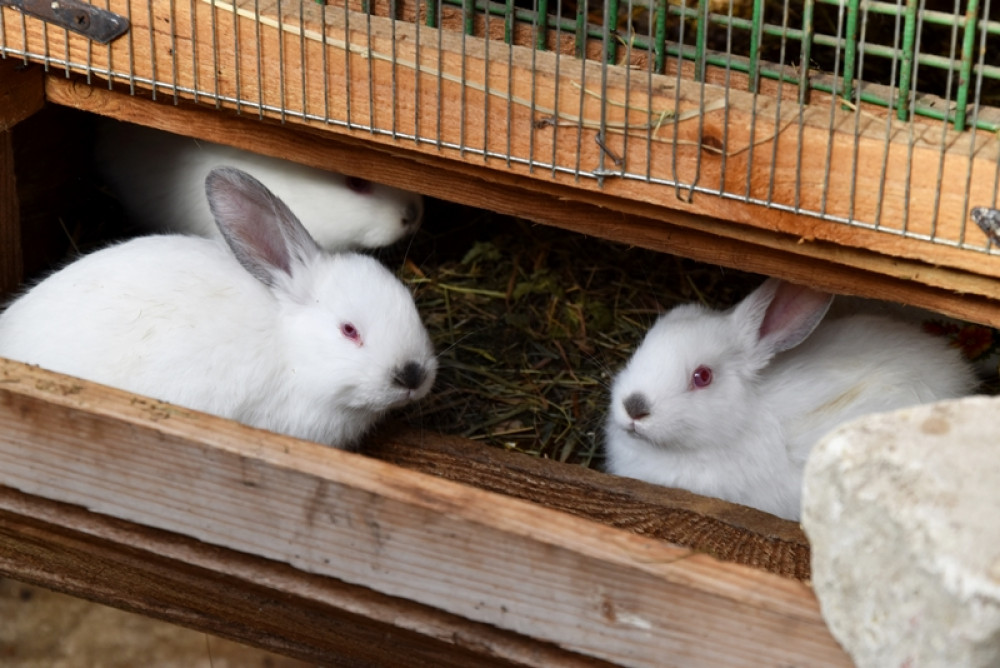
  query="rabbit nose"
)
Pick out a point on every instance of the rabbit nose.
point(410, 376)
point(411, 214)
point(636, 406)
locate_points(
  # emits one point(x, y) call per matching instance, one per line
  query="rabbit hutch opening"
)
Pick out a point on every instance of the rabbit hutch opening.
point(692, 129)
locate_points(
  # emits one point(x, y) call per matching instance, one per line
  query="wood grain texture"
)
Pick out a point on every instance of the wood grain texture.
point(837, 268)
point(726, 531)
point(382, 82)
point(247, 599)
point(585, 587)
point(22, 92)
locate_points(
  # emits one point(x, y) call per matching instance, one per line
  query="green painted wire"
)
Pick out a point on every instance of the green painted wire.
point(753, 68)
point(808, 31)
point(850, 49)
point(700, 39)
point(508, 22)
point(639, 41)
point(581, 29)
point(756, 32)
point(906, 68)
point(965, 73)
point(432, 16)
point(469, 16)
point(611, 29)
point(927, 16)
point(660, 37)
point(542, 15)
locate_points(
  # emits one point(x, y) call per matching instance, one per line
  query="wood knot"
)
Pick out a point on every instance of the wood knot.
point(711, 144)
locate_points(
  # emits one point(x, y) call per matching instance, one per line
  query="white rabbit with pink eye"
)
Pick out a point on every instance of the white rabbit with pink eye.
point(264, 327)
point(159, 178)
point(729, 403)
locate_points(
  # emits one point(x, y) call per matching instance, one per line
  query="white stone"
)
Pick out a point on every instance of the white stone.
point(903, 514)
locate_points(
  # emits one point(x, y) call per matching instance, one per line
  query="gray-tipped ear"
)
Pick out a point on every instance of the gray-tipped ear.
point(263, 233)
point(782, 315)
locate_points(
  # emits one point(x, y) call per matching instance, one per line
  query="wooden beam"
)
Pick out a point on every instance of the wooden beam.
point(726, 531)
point(587, 588)
point(241, 597)
point(22, 93)
point(841, 269)
point(441, 95)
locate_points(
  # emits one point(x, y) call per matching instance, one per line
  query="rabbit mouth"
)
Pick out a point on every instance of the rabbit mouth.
point(633, 429)
point(405, 398)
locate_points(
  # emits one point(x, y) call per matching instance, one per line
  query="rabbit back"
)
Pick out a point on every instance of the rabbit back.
point(159, 179)
point(158, 316)
point(856, 365)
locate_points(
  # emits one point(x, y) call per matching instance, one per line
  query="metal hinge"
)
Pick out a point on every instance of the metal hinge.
point(98, 24)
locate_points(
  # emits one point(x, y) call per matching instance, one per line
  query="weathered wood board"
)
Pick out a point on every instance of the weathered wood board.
point(584, 587)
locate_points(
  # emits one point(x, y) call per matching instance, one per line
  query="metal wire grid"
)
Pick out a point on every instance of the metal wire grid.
point(758, 38)
point(616, 49)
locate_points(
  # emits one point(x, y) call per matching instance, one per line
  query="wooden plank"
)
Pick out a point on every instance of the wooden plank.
point(248, 599)
point(441, 87)
point(587, 588)
point(21, 95)
point(837, 268)
point(726, 531)
point(22, 92)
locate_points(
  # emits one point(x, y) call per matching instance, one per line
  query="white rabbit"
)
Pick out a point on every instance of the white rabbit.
point(271, 331)
point(729, 404)
point(159, 178)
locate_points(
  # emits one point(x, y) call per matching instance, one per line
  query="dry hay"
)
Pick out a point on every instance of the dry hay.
point(531, 323)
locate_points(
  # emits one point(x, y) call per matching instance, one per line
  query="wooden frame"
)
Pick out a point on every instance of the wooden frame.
point(21, 95)
point(93, 477)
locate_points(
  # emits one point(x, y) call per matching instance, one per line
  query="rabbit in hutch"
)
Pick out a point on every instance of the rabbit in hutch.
point(264, 327)
point(729, 403)
point(159, 178)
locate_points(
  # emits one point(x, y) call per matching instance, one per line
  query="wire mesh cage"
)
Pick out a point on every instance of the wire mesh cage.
point(869, 124)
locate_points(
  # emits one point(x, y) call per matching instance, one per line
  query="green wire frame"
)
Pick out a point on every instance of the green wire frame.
point(906, 57)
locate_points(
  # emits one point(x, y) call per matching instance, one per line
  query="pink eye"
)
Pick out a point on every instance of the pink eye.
point(360, 186)
point(350, 332)
point(702, 377)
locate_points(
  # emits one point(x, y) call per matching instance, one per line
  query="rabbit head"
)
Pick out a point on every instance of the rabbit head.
point(347, 329)
point(691, 384)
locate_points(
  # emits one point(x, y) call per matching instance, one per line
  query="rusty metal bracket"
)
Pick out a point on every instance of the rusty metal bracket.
point(99, 25)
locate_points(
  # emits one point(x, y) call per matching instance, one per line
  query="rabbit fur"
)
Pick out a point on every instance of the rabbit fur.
point(779, 378)
point(264, 327)
point(159, 179)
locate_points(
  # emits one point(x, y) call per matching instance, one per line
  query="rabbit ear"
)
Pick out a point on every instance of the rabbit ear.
point(263, 233)
point(782, 315)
